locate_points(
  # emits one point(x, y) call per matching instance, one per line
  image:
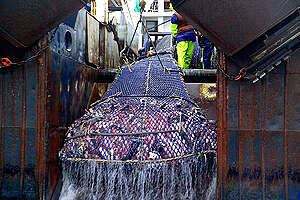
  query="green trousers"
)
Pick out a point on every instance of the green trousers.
point(185, 53)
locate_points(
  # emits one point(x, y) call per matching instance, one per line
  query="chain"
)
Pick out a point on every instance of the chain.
point(31, 58)
point(38, 53)
point(241, 74)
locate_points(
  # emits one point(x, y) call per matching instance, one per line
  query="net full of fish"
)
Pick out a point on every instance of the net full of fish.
point(145, 139)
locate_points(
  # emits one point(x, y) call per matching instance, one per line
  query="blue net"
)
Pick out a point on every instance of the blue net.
point(146, 116)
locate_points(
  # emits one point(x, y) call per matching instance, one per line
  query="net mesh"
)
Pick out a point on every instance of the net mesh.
point(146, 116)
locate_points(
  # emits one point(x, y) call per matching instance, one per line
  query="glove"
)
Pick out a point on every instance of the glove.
point(174, 41)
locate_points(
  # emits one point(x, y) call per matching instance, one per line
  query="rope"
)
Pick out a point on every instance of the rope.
point(146, 94)
point(141, 161)
point(139, 134)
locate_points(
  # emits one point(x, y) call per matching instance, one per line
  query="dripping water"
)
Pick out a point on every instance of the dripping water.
point(189, 179)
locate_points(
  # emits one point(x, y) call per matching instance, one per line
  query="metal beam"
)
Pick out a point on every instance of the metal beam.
point(190, 75)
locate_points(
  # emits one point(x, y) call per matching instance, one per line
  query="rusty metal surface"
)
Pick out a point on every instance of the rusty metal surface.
point(227, 23)
point(37, 102)
point(259, 134)
point(24, 22)
point(69, 91)
point(103, 49)
point(23, 130)
point(112, 54)
point(93, 41)
point(258, 125)
point(70, 85)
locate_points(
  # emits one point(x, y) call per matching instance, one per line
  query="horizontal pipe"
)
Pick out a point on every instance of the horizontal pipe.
point(117, 8)
point(190, 75)
point(159, 33)
point(200, 75)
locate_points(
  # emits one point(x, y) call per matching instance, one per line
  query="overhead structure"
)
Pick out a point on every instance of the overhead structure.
point(256, 36)
point(235, 24)
point(24, 22)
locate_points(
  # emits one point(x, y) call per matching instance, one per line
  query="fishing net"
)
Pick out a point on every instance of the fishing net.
point(146, 122)
point(146, 115)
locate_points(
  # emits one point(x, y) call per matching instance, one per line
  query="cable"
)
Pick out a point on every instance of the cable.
point(39, 52)
point(137, 25)
point(32, 57)
point(154, 47)
point(159, 24)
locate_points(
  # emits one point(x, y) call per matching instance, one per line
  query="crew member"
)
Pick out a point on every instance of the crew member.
point(207, 48)
point(184, 34)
